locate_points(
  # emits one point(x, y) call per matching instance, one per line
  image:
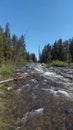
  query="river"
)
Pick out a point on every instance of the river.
point(41, 99)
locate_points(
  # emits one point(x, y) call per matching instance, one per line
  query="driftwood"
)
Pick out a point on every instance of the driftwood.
point(9, 80)
point(5, 81)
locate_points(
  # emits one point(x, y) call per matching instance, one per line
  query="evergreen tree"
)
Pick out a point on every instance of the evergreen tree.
point(33, 57)
point(65, 50)
point(71, 47)
point(14, 47)
point(46, 54)
point(21, 48)
point(28, 56)
point(1, 45)
point(54, 51)
point(7, 43)
point(60, 50)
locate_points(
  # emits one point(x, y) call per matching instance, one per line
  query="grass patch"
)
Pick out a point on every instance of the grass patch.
point(58, 63)
point(6, 70)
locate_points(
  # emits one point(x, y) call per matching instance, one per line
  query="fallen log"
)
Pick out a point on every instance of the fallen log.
point(19, 76)
point(5, 81)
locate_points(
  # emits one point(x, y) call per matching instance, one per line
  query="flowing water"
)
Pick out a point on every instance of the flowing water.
point(42, 99)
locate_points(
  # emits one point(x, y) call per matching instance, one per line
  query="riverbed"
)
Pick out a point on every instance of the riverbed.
point(40, 99)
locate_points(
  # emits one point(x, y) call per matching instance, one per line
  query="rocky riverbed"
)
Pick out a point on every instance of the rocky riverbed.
point(38, 99)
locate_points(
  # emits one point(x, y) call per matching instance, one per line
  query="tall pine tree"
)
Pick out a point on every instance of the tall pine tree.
point(7, 43)
point(1, 45)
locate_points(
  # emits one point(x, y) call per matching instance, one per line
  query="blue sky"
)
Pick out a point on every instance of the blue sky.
point(41, 21)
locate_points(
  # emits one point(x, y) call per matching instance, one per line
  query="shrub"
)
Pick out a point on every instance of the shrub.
point(58, 63)
point(6, 69)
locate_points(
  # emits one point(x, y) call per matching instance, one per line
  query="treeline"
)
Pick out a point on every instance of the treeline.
point(13, 48)
point(60, 50)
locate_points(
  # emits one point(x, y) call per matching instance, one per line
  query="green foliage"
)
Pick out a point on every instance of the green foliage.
point(46, 54)
point(28, 56)
point(12, 51)
point(6, 69)
point(58, 63)
point(71, 47)
point(33, 57)
point(62, 51)
point(1, 45)
point(7, 48)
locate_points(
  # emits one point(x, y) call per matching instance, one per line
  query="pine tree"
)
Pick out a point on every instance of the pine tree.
point(60, 50)
point(14, 47)
point(71, 47)
point(1, 45)
point(54, 51)
point(65, 50)
point(46, 54)
point(33, 57)
point(21, 48)
point(7, 48)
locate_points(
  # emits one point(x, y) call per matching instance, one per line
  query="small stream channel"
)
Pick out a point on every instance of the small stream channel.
point(41, 99)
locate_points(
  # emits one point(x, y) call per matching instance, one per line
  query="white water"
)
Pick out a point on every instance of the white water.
point(66, 90)
point(35, 112)
point(49, 74)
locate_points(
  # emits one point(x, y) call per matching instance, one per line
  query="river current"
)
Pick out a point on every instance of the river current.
point(41, 99)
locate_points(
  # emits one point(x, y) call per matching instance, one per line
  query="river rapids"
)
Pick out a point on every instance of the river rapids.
point(40, 99)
